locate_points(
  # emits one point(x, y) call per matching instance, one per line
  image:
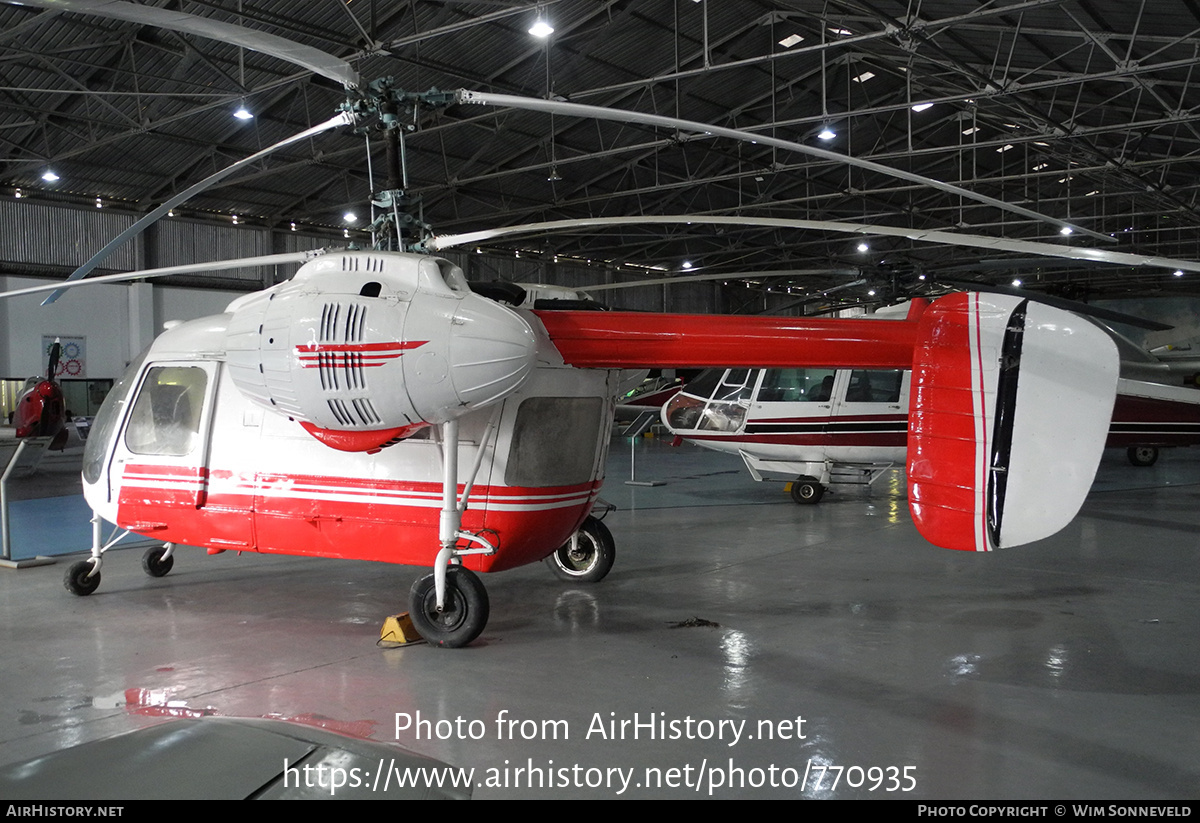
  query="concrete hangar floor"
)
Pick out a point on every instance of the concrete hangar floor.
point(1069, 669)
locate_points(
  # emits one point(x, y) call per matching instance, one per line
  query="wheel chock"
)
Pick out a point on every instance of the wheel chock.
point(399, 629)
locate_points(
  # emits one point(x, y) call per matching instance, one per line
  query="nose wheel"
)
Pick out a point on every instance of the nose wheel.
point(82, 578)
point(464, 611)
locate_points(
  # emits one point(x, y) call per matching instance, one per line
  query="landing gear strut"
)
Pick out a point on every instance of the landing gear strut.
point(450, 607)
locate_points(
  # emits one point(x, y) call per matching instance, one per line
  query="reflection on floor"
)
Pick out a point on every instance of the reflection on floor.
point(1068, 669)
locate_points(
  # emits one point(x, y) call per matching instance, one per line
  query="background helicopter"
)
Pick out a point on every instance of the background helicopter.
point(822, 427)
point(625, 336)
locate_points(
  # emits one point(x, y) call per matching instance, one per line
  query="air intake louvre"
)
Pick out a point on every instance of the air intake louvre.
point(362, 263)
point(357, 412)
point(342, 370)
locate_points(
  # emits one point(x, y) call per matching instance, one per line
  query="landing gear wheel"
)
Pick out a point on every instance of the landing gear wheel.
point(588, 558)
point(807, 491)
point(1142, 455)
point(77, 581)
point(465, 612)
point(154, 564)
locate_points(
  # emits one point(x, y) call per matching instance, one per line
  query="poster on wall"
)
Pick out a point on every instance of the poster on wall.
point(72, 361)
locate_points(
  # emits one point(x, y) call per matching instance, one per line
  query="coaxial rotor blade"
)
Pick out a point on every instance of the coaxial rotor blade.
point(733, 275)
point(945, 238)
point(190, 268)
point(315, 60)
point(141, 225)
point(600, 113)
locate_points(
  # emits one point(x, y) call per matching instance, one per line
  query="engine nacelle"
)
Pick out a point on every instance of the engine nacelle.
point(366, 347)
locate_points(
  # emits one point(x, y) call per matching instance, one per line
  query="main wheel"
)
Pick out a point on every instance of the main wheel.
point(77, 581)
point(806, 491)
point(1142, 455)
point(463, 616)
point(154, 564)
point(588, 558)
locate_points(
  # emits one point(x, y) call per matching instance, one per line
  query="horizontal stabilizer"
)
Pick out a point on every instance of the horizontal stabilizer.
point(1008, 415)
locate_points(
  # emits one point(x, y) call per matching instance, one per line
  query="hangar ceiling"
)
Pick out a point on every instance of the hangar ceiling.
point(1080, 110)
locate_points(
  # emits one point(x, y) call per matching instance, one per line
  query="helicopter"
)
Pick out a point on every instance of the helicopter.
point(377, 406)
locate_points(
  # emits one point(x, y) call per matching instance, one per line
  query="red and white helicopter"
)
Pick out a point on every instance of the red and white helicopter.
point(823, 426)
point(377, 407)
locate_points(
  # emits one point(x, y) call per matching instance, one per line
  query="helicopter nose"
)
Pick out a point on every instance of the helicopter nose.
point(491, 352)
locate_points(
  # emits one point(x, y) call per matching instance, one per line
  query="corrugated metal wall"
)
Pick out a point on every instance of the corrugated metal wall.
point(41, 234)
point(44, 236)
point(175, 242)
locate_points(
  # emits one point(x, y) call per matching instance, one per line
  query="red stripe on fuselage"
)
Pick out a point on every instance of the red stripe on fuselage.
point(346, 517)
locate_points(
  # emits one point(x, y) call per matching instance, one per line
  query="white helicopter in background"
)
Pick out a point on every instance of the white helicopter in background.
point(378, 406)
point(819, 427)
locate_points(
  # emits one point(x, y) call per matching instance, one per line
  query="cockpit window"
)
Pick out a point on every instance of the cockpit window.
point(166, 414)
point(107, 420)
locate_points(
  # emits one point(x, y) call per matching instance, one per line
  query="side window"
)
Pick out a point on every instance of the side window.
point(796, 386)
point(871, 386)
point(166, 414)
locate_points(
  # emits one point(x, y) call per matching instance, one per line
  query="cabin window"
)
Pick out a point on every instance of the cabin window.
point(554, 441)
point(875, 386)
point(796, 386)
point(166, 414)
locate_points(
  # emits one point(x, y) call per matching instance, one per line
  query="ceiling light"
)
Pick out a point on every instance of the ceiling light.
point(554, 175)
point(827, 134)
point(1092, 193)
point(841, 31)
point(541, 28)
point(293, 226)
point(350, 217)
point(971, 130)
point(243, 114)
point(1041, 166)
point(235, 222)
point(99, 204)
point(1178, 272)
point(864, 77)
point(922, 106)
point(17, 194)
point(687, 264)
point(871, 293)
point(1006, 147)
point(49, 176)
point(791, 40)
point(863, 246)
point(920, 277)
point(1065, 230)
point(1017, 281)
